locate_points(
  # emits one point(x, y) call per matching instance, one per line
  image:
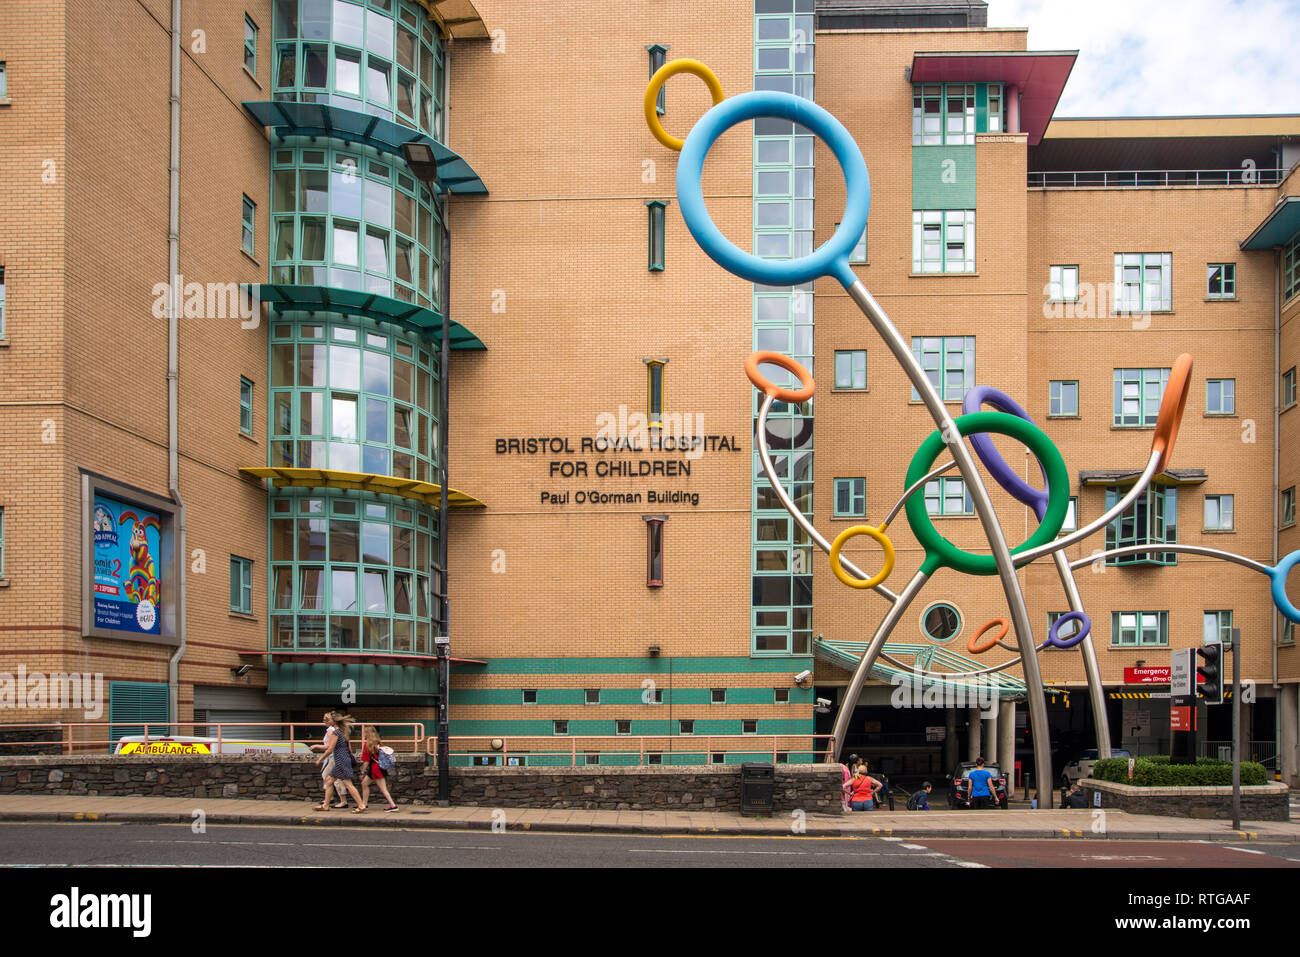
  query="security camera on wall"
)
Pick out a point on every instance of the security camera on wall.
point(802, 676)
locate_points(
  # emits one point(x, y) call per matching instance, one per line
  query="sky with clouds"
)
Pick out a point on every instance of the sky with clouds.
point(1167, 57)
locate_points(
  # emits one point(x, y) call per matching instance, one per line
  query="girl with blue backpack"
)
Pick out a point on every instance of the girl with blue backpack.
point(377, 763)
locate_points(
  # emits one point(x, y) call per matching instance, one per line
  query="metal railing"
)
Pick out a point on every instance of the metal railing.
point(298, 732)
point(670, 748)
point(1068, 179)
point(1264, 751)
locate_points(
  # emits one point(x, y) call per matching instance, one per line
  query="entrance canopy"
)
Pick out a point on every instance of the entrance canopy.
point(848, 654)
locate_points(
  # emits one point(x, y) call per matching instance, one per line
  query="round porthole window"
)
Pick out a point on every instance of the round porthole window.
point(941, 622)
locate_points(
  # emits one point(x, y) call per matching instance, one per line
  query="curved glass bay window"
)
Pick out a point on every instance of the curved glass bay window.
point(351, 219)
point(354, 396)
point(353, 571)
point(382, 57)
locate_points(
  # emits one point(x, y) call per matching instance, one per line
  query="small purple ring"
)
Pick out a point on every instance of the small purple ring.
point(1054, 633)
point(1017, 487)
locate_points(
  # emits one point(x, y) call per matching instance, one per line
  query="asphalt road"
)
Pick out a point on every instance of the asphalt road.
point(107, 844)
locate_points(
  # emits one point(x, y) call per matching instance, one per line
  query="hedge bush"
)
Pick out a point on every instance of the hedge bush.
point(1158, 772)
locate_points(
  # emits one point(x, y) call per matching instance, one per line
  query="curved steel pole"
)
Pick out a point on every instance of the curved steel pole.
point(1096, 691)
point(1174, 547)
point(989, 520)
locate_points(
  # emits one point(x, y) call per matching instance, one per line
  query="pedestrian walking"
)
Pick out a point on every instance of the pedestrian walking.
point(920, 800)
point(981, 793)
point(328, 766)
point(337, 740)
point(373, 756)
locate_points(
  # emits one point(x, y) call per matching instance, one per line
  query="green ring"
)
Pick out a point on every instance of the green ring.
point(940, 552)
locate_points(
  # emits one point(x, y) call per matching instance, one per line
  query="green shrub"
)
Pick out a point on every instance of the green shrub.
point(1157, 772)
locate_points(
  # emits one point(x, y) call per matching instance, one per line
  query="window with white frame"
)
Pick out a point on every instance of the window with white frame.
point(1063, 397)
point(1063, 284)
point(1071, 522)
point(943, 241)
point(245, 406)
point(943, 113)
point(1216, 628)
point(250, 45)
point(948, 496)
point(949, 364)
point(1143, 282)
point(1138, 628)
point(1218, 513)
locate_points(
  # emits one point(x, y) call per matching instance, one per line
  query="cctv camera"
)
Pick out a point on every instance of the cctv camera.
point(242, 670)
point(823, 703)
point(802, 677)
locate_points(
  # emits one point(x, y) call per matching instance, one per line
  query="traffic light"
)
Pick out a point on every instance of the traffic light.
point(1212, 671)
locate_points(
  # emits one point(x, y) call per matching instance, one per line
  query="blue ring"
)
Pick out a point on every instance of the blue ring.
point(832, 258)
point(1054, 633)
point(1280, 599)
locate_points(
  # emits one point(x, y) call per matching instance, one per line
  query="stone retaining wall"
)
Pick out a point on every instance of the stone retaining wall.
point(1260, 802)
point(808, 787)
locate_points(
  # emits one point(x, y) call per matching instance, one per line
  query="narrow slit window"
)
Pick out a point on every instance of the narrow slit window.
point(250, 45)
point(658, 54)
point(655, 391)
point(655, 550)
point(656, 212)
point(250, 214)
point(241, 585)
point(245, 406)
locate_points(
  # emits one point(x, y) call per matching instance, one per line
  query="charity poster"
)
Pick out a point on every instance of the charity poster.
point(127, 547)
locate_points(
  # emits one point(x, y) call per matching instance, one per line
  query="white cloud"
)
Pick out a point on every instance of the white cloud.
point(1167, 57)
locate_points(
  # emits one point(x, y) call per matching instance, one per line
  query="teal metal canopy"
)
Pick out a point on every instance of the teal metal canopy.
point(424, 321)
point(1277, 228)
point(321, 119)
point(848, 654)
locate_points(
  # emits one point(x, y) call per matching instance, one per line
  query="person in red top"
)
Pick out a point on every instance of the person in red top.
point(370, 769)
point(864, 792)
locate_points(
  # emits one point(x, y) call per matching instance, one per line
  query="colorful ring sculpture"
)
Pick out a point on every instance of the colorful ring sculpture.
point(656, 84)
point(767, 387)
point(976, 647)
point(879, 535)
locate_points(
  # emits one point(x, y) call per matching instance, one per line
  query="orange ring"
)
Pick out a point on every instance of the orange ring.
point(976, 649)
point(1171, 410)
point(785, 362)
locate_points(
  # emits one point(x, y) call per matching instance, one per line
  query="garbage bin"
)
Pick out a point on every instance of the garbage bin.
point(757, 783)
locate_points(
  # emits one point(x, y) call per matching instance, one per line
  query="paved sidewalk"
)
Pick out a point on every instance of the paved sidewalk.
point(1118, 825)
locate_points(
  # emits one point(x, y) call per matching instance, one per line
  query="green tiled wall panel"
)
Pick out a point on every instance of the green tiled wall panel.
point(939, 186)
point(620, 697)
point(703, 727)
point(623, 666)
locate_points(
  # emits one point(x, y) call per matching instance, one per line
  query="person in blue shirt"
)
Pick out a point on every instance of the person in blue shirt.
point(981, 793)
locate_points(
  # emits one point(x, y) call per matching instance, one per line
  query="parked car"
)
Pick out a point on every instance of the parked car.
point(959, 793)
point(1081, 767)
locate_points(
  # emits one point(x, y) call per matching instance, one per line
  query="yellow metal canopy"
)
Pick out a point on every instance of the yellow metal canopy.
point(425, 492)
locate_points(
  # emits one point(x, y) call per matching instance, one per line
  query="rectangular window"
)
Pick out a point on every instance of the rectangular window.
point(1143, 282)
point(2, 544)
point(241, 585)
point(1221, 281)
point(592, 757)
point(949, 364)
point(749, 726)
point(250, 45)
point(4, 82)
point(851, 497)
point(1220, 396)
point(2, 303)
point(686, 727)
point(1071, 522)
point(654, 573)
point(1288, 388)
point(1287, 635)
point(529, 695)
point(1138, 628)
point(859, 254)
point(1063, 397)
point(658, 54)
point(1288, 506)
point(1151, 520)
point(943, 113)
point(250, 213)
point(943, 241)
point(658, 696)
point(851, 369)
point(1218, 513)
point(1137, 396)
point(1291, 268)
point(623, 727)
point(781, 695)
point(591, 696)
point(717, 695)
point(1217, 628)
point(245, 406)
point(656, 210)
point(655, 391)
point(948, 496)
point(560, 727)
point(1063, 284)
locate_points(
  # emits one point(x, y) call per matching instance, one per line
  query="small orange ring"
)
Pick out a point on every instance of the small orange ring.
point(1171, 410)
point(974, 648)
point(785, 362)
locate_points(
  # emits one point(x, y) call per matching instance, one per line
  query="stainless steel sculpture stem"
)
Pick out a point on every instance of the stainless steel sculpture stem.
point(1001, 555)
point(1096, 691)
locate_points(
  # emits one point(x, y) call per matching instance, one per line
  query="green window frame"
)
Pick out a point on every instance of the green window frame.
point(851, 369)
point(941, 621)
point(241, 585)
point(1063, 284)
point(1139, 629)
point(1137, 397)
point(1143, 282)
point(949, 364)
point(2, 543)
point(656, 234)
point(654, 373)
point(1063, 398)
point(1151, 520)
point(245, 406)
point(1288, 507)
point(943, 241)
point(1216, 627)
point(1221, 281)
point(1218, 513)
point(250, 45)
point(850, 497)
point(995, 119)
point(4, 81)
point(2, 303)
point(658, 55)
point(943, 114)
point(1291, 268)
point(249, 225)
point(1071, 522)
point(948, 496)
point(1220, 396)
point(1288, 388)
point(859, 254)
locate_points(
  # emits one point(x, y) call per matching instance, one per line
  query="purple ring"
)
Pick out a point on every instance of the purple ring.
point(1017, 487)
point(1054, 633)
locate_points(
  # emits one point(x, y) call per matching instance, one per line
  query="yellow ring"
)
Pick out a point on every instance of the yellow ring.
point(879, 535)
point(656, 83)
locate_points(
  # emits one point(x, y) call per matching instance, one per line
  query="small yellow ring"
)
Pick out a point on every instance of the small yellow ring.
point(879, 535)
point(656, 83)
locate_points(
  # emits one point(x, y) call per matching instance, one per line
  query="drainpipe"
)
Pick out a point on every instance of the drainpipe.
point(173, 302)
point(1277, 416)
